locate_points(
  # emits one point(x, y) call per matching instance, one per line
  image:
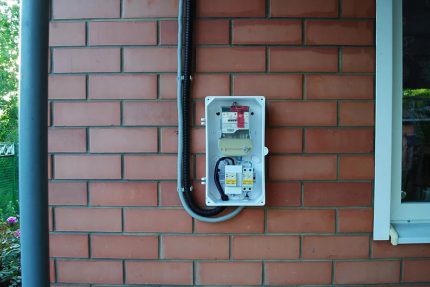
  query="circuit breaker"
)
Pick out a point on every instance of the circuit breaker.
point(235, 151)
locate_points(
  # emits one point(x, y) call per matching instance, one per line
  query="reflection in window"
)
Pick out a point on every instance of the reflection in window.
point(416, 102)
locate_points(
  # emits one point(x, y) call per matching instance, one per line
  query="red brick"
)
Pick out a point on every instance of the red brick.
point(416, 270)
point(227, 8)
point(81, 60)
point(159, 272)
point(168, 194)
point(68, 245)
point(358, 60)
point(122, 87)
point(168, 86)
point(87, 167)
point(335, 140)
point(150, 113)
point(86, 114)
point(122, 140)
point(248, 221)
point(150, 59)
point(302, 167)
point(150, 167)
point(195, 247)
point(123, 193)
point(168, 32)
point(339, 87)
point(384, 249)
point(169, 140)
point(49, 61)
point(88, 219)
point(199, 110)
point(57, 285)
point(355, 220)
point(404, 285)
point(124, 247)
point(198, 141)
point(67, 193)
point(150, 8)
point(304, 8)
point(362, 272)
point(98, 272)
point(337, 194)
point(333, 247)
point(358, 8)
point(356, 167)
point(50, 219)
point(67, 140)
point(335, 32)
point(292, 273)
point(210, 85)
point(203, 85)
point(122, 33)
point(49, 114)
point(229, 273)
point(267, 32)
point(300, 220)
point(52, 277)
point(238, 59)
point(302, 113)
point(212, 31)
point(87, 9)
point(265, 247)
point(282, 140)
point(283, 194)
point(200, 166)
point(356, 113)
point(275, 86)
point(303, 60)
point(66, 34)
point(157, 220)
point(219, 32)
point(66, 87)
point(199, 193)
point(49, 166)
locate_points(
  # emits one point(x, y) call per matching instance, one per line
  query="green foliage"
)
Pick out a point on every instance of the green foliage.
point(10, 265)
point(416, 93)
point(10, 254)
point(9, 35)
point(10, 208)
point(8, 182)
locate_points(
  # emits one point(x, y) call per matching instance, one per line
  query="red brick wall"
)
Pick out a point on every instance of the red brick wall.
point(115, 215)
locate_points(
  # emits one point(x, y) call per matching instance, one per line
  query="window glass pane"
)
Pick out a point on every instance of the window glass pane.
point(416, 101)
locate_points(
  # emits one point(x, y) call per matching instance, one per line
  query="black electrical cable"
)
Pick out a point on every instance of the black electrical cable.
point(186, 91)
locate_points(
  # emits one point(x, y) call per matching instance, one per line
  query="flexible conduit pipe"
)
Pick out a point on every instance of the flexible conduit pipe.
point(180, 102)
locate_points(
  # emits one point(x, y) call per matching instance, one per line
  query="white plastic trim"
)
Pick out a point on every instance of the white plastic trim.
point(384, 116)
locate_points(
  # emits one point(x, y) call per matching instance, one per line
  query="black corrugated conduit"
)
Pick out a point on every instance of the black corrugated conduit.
point(185, 64)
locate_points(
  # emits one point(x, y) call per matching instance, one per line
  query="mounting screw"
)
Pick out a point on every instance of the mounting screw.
point(203, 121)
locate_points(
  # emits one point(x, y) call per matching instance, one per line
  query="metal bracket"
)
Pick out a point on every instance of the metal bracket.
point(394, 236)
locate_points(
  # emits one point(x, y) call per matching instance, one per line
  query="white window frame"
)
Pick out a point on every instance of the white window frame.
point(407, 222)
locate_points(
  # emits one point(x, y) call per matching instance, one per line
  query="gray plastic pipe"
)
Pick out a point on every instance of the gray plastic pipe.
point(33, 147)
point(180, 133)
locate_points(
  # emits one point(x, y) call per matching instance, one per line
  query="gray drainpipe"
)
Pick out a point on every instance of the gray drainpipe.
point(33, 139)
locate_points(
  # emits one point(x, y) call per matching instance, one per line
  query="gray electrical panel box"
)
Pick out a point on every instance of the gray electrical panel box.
point(235, 151)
